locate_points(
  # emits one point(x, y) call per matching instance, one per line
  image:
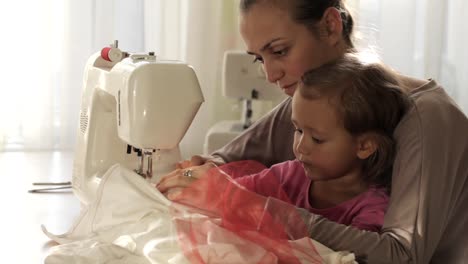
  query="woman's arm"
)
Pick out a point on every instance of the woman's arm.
point(369, 247)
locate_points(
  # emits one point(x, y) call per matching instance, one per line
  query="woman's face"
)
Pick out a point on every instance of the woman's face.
point(285, 48)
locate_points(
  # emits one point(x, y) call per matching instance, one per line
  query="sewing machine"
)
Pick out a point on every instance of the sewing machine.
point(246, 81)
point(135, 110)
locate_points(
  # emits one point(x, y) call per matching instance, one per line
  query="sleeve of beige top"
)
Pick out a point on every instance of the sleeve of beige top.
point(369, 247)
point(425, 221)
point(269, 140)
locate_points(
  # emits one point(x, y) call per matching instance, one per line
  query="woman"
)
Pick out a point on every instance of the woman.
point(426, 220)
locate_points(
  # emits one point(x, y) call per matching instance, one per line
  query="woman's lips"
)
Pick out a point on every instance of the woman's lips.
point(289, 89)
point(289, 86)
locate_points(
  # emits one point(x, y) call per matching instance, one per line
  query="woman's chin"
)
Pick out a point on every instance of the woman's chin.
point(289, 91)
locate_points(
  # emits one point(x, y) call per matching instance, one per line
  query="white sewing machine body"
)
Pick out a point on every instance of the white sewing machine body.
point(134, 103)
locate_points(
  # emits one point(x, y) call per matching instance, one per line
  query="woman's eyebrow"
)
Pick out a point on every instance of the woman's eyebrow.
point(265, 47)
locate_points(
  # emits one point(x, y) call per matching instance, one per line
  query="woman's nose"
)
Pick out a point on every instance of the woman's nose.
point(272, 71)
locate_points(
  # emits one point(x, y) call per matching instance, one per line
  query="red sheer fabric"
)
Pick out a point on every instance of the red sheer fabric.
point(253, 228)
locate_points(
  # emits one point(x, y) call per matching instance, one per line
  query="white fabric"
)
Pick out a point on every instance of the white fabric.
point(130, 222)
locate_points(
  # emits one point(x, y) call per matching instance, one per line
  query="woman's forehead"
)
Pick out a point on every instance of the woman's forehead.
point(263, 23)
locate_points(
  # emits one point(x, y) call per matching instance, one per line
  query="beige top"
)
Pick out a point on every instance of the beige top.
point(427, 218)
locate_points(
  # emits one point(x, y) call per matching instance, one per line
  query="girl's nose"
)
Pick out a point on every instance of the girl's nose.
point(301, 146)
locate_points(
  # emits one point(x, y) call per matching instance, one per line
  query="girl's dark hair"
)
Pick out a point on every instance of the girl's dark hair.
point(309, 12)
point(370, 99)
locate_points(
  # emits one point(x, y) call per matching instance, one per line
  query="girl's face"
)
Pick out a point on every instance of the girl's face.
point(285, 48)
point(325, 148)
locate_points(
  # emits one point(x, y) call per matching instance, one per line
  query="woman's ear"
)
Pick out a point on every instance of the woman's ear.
point(367, 145)
point(332, 26)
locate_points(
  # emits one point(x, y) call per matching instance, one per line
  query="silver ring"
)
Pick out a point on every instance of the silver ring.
point(188, 173)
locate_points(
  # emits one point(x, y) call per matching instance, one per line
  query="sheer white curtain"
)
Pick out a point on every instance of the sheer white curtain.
point(30, 30)
point(454, 66)
point(45, 46)
point(421, 38)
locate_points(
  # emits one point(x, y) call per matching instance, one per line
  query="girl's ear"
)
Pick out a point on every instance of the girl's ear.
point(332, 26)
point(366, 145)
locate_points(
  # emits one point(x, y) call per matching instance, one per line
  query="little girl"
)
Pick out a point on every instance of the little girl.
point(344, 114)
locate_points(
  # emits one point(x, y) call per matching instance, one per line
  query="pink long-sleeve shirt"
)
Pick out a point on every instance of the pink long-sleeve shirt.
point(365, 211)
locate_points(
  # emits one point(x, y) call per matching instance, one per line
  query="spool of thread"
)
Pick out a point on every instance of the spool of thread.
point(112, 54)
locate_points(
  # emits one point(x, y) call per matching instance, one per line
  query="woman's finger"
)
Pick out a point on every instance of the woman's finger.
point(176, 180)
point(181, 178)
point(168, 176)
point(173, 193)
point(184, 164)
point(197, 160)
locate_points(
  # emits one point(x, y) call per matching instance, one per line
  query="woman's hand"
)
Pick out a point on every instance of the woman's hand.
point(186, 173)
point(194, 161)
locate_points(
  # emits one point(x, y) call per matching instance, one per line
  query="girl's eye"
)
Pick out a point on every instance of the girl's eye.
point(316, 140)
point(297, 130)
point(258, 59)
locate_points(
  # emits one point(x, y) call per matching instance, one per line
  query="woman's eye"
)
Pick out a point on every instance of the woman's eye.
point(297, 130)
point(258, 59)
point(281, 52)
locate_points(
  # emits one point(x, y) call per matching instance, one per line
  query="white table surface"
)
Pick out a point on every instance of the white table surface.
point(23, 213)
